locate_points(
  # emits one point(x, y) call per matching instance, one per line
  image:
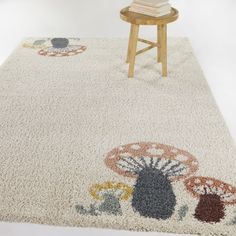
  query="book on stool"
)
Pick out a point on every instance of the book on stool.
point(155, 8)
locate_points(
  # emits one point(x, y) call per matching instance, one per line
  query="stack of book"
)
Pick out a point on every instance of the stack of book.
point(154, 8)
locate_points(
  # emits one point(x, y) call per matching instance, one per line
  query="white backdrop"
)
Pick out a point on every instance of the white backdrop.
point(210, 25)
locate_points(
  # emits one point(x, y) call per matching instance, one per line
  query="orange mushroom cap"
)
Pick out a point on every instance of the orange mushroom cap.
point(198, 186)
point(128, 160)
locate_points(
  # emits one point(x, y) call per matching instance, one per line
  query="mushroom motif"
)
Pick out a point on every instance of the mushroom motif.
point(182, 212)
point(61, 47)
point(37, 44)
point(56, 47)
point(60, 42)
point(154, 166)
point(110, 194)
point(213, 195)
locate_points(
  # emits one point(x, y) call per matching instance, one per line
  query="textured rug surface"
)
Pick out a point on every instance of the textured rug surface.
point(83, 145)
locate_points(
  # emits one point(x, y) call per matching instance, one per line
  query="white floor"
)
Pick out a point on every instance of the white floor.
point(208, 23)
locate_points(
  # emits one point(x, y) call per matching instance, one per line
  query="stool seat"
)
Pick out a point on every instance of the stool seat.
point(136, 19)
point(140, 19)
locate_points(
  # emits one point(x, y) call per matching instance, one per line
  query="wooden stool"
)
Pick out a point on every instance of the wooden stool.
point(139, 19)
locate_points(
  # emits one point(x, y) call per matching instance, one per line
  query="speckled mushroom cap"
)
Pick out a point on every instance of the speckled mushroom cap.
point(205, 185)
point(120, 190)
point(128, 159)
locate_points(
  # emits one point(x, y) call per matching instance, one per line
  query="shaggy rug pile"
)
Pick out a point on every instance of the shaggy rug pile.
point(83, 145)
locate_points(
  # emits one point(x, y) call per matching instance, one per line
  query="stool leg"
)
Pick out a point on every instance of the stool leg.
point(134, 41)
point(164, 49)
point(130, 43)
point(159, 43)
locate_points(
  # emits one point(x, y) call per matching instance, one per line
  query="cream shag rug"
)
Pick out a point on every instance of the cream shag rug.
point(83, 145)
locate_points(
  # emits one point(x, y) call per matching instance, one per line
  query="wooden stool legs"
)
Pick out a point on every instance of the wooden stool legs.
point(162, 54)
point(159, 44)
point(161, 48)
point(133, 41)
point(130, 44)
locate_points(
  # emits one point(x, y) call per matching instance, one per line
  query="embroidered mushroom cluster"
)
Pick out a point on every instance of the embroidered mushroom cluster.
point(56, 47)
point(155, 168)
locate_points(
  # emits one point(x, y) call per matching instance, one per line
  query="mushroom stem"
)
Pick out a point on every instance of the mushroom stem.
point(153, 195)
point(210, 208)
point(110, 205)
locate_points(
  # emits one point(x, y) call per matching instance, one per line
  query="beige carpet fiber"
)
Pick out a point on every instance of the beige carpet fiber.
point(83, 145)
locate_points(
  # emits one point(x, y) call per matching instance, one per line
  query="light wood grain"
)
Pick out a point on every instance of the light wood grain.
point(140, 19)
point(145, 49)
point(130, 44)
point(159, 42)
point(136, 20)
point(148, 42)
point(134, 41)
point(164, 49)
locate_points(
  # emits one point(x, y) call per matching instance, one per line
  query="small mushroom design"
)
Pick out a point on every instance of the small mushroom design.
point(111, 193)
point(37, 44)
point(213, 196)
point(154, 166)
point(61, 47)
point(60, 42)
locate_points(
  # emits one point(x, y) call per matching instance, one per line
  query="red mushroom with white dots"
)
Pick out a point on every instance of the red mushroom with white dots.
point(213, 196)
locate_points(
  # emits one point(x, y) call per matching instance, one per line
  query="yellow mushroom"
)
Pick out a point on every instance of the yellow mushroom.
point(110, 193)
point(121, 190)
